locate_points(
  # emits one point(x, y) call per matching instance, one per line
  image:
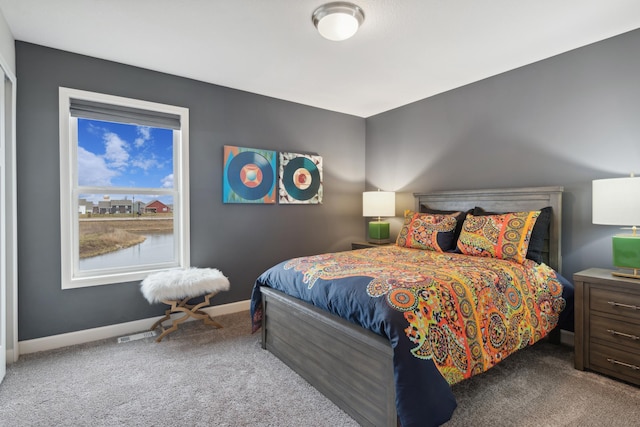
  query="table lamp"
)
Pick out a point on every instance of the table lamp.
point(378, 204)
point(616, 201)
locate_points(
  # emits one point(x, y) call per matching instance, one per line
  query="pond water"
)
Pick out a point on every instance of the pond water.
point(157, 247)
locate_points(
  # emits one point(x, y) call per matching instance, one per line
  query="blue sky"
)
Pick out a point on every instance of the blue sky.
point(123, 155)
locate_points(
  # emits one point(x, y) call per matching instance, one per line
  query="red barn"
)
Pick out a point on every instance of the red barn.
point(157, 207)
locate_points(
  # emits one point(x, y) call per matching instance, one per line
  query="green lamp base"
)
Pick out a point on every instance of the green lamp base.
point(378, 232)
point(626, 254)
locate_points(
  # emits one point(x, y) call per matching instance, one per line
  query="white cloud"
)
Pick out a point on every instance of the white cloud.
point(144, 134)
point(116, 153)
point(167, 181)
point(92, 169)
point(146, 164)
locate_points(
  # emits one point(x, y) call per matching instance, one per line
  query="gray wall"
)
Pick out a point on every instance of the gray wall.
point(563, 121)
point(240, 240)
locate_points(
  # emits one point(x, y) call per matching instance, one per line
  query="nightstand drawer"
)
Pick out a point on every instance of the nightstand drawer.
point(615, 302)
point(618, 363)
point(614, 331)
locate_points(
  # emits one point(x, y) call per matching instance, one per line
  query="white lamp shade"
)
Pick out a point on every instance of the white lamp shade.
point(616, 201)
point(379, 203)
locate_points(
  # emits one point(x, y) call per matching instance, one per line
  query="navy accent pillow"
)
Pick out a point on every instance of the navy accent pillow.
point(538, 234)
point(461, 215)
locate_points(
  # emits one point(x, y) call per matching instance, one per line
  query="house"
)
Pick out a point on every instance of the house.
point(139, 207)
point(120, 206)
point(104, 207)
point(564, 120)
point(84, 206)
point(157, 206)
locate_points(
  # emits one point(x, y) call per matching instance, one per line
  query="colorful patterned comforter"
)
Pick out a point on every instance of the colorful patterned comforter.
point(448, 316)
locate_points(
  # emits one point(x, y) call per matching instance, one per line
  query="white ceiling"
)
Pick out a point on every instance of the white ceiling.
point(405, 51)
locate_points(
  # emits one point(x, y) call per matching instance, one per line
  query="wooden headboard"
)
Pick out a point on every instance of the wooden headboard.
point(507, 200)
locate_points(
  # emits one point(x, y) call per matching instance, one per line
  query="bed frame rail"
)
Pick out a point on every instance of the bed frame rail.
point(351, 366)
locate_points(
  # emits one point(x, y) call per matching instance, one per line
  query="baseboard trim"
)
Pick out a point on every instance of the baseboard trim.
point(10, 356)
point(120, 329)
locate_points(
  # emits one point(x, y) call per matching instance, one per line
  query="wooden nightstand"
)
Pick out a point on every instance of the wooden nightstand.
point(607, 327)
point(364, 245)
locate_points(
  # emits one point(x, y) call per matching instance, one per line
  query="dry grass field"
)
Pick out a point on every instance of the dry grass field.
point(100, 235)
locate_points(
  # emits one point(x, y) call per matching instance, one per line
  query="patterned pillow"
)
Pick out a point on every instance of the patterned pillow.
point(504, 236)
point(433, 232)
point(539, 233)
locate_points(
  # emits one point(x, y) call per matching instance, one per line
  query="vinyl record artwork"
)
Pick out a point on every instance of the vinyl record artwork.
point(249, 175)
point(300, 179)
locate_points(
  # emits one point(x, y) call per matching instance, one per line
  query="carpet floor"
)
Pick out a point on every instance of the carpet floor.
point(200, 376)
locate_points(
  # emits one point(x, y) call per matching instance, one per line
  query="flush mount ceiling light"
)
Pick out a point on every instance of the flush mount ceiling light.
point(338, 20)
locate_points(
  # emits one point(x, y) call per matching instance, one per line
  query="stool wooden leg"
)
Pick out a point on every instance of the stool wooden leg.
point(167, 316)
point(189, 310)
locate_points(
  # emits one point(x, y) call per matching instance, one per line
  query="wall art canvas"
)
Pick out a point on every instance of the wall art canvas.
point(300, 178)
point(249, 175)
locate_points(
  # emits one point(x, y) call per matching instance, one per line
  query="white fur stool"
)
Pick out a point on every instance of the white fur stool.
point(177, 287)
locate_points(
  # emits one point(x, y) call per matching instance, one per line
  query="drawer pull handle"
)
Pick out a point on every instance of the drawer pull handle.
point(617, 304)
point(622, 334)
point(626, 365)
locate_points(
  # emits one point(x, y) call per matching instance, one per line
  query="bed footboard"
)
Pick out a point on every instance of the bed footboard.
point(351, 366)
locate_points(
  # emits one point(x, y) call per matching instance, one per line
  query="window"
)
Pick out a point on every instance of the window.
point(123, 188)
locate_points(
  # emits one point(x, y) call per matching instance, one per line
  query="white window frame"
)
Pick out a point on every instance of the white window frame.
point(72, 277)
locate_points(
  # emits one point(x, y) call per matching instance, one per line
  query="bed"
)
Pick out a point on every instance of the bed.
point(398, 369)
